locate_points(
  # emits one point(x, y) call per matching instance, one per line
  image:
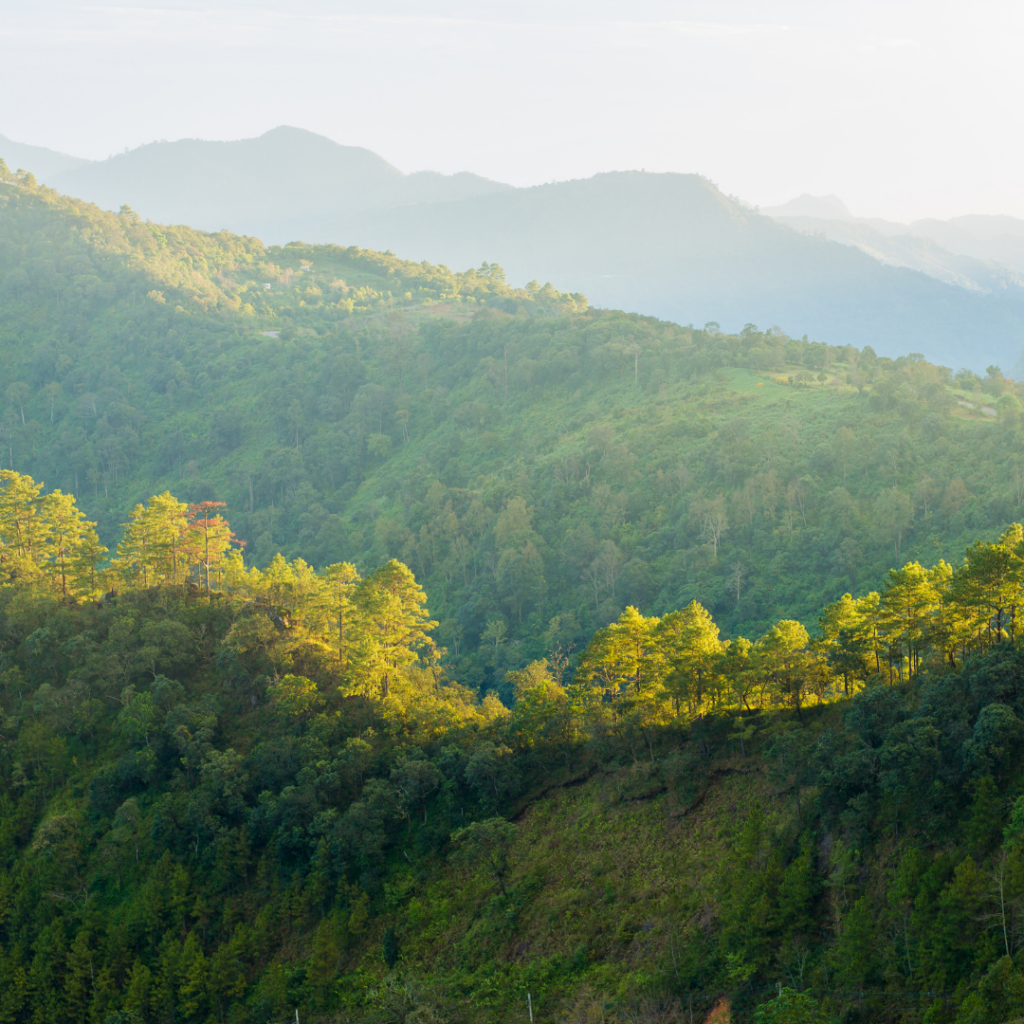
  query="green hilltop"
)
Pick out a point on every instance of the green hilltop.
point(560, 658)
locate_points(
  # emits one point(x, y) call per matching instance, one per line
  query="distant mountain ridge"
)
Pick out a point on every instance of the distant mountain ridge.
point(44, 163)
point(674, 246)
point(669, 245)
point(916, 252)
point(278, 186)
point(806, 205)
point(984, 237)
point(983, 253)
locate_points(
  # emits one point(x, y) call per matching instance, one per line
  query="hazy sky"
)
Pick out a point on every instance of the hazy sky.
point(904, 109)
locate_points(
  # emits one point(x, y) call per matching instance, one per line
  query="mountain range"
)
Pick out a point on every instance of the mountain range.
point(284, 185)
point(982, 253)
point(670, 245)
point(45, 164)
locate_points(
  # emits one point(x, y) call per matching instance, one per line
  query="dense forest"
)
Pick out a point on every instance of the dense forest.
point(383, 643)
point(227, 793)
point(539, 464)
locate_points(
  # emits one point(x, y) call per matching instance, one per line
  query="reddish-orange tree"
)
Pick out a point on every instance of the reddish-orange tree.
point(208, 538)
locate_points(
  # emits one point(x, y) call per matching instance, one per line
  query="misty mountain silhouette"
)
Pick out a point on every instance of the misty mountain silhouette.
point(979, 252)
point(276, 186)
point(44, 163)
point(806, 205)
point(984, 237)
point(669, 245)
point(674, 246)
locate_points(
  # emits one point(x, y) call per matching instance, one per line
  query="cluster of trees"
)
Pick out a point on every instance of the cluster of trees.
point(200, 762)
point(927, 779)
point(378, 284)
point(923, 614)
point(46, 538)
point(679, 666)
point(367, 629)
point(676, 665)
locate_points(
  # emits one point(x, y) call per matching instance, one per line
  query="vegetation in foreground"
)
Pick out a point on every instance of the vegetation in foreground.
point(228, 793)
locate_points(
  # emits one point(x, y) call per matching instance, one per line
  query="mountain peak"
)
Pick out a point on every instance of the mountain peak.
point(806, 205)
point(42, 162)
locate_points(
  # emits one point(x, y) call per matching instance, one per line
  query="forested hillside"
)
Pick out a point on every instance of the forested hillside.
point(538, 463)
point(231, 795)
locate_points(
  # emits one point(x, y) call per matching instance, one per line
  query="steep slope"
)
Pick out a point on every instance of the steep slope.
point(286, 184)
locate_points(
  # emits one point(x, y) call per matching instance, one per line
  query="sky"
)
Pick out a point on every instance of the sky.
point(903, 109)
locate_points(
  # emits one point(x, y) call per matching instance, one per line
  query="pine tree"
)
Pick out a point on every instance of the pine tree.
point(152, 550)
point(624, 655)
point(395, 623)
point(341, 582)
point(207, 540)
point(79, 978)
point(844, 641)
point(909, 601)
point(691, 647)
point(193, 971)
point(138, 989)
point(990, 584)
point(782, 652)
point(71, 546)
point(21, 528)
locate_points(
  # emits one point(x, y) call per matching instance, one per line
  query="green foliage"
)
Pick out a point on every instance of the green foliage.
point(487, 842)
point(790, 1008)
point(273, 828)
